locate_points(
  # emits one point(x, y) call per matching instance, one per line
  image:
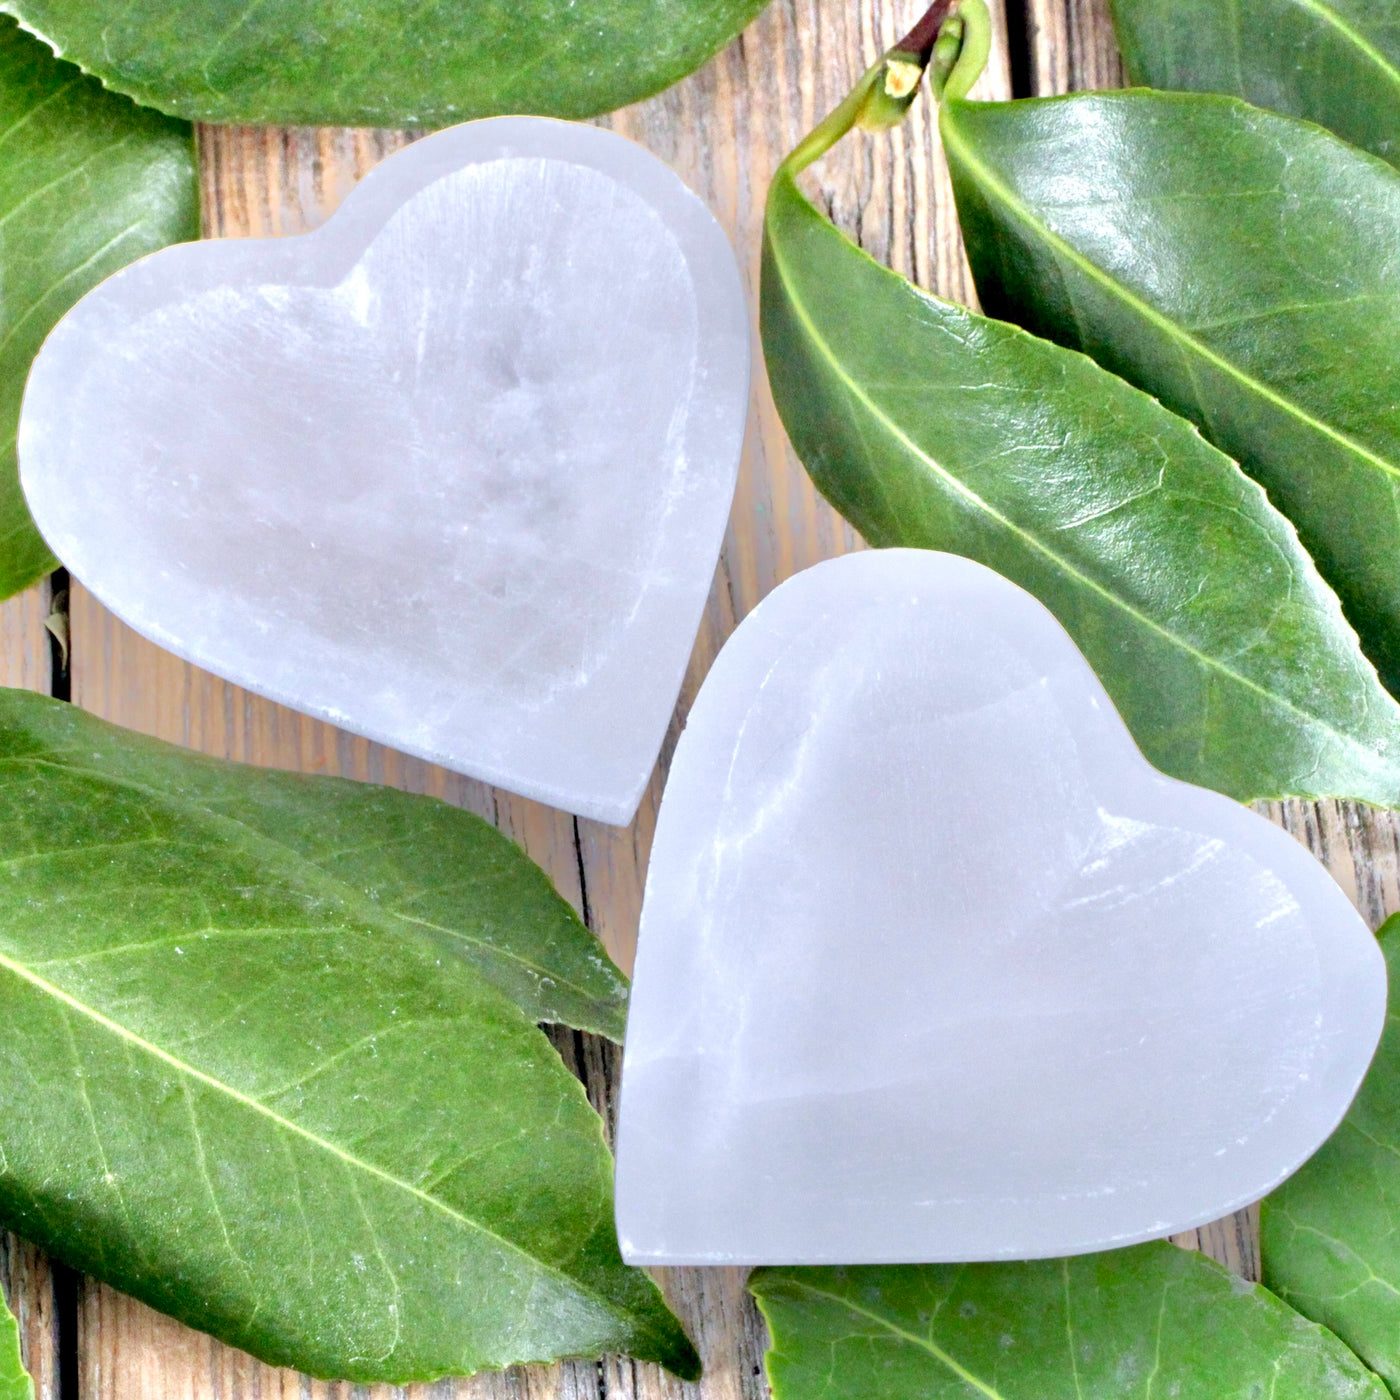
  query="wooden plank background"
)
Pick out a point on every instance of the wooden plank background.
point(723, 130)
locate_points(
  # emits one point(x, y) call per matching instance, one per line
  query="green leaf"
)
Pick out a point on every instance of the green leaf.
point(1239, 265)
point(88, 183)
point(403, 862)
point(14, 1380)
point(1334, 62)
point(381, 62)
point(1134, 1324)
point(237, 1082)
point(1330, 1241)
point(926, 425)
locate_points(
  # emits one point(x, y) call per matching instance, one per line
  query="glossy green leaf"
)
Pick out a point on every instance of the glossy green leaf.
point(1150, 1323)
point(14, 1379)
point(1331, 1233)
point(416, 864)
point(379, 62)
point(88, 183)
point(410, 863)
point(926, 425)
point(239, 1081)
point(1242, 267)
point(1334, 62)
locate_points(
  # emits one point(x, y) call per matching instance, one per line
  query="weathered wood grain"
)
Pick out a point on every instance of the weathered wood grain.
point(25, 652)
point(28, 1283)
point(1072, 46)
point(724, 131)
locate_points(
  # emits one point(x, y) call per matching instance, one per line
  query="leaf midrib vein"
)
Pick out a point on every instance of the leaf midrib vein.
point(1353, 36)
point(1024, 535)
point(924, 1344)
point(131, 1038)
point(1150, 313)
point(370, 913)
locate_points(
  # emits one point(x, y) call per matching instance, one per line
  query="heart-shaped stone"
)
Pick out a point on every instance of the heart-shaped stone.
point(451, 471)
point(934, 966)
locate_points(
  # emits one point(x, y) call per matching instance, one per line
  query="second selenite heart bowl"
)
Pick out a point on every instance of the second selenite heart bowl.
point(933, 966)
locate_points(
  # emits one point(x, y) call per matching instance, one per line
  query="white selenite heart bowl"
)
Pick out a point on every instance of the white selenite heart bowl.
point(451, 471)
point(933, 966)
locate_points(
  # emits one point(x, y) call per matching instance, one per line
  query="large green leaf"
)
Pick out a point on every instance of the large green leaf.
point(237, 1082)
point(88, 183)
point(1241, 266)
point(1150, 1323)
point(1331, 1234)
point(403, 862)
point(14, 1379)
point(1336, 62)
point(381, 62)
point(926, 425)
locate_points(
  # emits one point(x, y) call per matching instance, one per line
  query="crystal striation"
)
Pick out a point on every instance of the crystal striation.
point(451, 471)
point(933, 966)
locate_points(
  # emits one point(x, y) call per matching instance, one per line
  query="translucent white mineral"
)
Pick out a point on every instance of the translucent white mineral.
point(933, 966)
point(451, 471)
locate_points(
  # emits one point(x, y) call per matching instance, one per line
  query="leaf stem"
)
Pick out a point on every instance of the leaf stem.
point(836, 123)
point(886, 90)
point(965, 66)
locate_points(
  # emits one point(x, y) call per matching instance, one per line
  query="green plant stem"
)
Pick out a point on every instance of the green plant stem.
point(973, 51)
point(957, 43)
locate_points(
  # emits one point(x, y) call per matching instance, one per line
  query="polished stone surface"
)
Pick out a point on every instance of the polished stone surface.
point(933, 966)
point(452, 471)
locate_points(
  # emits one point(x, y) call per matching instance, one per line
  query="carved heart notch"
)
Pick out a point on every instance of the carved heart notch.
point(934, 967)
point(451, 471)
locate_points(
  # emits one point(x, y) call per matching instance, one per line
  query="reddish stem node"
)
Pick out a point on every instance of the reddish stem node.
point(921, 38)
